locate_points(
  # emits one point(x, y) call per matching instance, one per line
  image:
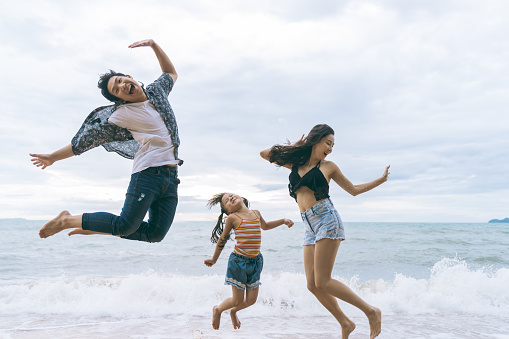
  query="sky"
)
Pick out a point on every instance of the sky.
point(421, 86)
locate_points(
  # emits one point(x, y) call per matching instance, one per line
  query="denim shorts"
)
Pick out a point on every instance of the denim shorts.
point(244, 272)
point(322, 221)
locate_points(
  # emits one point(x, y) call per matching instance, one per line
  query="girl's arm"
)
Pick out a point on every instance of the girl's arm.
point(221, 242)
point(164, 60)
point(274, 223)
point(354, 190)
point(45, 160)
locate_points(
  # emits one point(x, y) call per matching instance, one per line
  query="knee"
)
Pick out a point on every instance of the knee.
point(124, 227)
point(312, 287)
point(251, 302)
point(159, 232)
point(237, 302)
point(321, 284)
point(157, 237)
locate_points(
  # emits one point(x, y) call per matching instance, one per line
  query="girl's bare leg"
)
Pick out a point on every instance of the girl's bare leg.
point(327, 300)
point(251, 296)
point(61, 222)
point(236, 299)
point(325, 255)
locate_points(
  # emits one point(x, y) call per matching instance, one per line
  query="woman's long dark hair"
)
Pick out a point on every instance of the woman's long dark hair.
point(218, 229)
point(299, 155)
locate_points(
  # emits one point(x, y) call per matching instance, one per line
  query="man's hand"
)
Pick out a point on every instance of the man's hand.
point(146, 42)
point(42, 160)
point(164, 62)
point(45, 160)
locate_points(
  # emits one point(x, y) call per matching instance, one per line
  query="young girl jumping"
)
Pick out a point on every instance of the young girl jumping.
point(246, 262)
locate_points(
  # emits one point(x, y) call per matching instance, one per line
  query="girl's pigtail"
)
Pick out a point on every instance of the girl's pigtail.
point(218, 229)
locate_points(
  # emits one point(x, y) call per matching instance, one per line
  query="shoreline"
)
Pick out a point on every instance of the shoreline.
point(394, 326)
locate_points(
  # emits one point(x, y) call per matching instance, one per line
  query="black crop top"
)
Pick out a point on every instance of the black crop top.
point(313, 179)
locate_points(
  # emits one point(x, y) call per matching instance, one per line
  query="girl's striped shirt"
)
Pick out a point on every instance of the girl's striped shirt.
point(248, 237)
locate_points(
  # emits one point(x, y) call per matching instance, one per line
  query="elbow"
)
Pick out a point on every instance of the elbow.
point(355, 190)
point(174, 76)
point(264, 155)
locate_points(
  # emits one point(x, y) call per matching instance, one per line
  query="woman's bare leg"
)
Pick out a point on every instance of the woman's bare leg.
point(326, 299)
point(325, 255)
point(251, 296)
point(61, 222)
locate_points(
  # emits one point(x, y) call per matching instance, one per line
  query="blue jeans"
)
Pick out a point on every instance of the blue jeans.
point(154, 190)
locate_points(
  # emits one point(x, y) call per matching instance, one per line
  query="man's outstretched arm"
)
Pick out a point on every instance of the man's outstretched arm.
point(164, 60)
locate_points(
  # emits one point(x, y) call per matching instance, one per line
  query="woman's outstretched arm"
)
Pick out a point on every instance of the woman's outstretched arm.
point(354, 190)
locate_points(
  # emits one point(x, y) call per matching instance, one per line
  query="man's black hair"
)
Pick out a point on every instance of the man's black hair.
point(103, 85)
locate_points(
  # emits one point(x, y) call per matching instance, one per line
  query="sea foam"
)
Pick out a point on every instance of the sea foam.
point(452, 287)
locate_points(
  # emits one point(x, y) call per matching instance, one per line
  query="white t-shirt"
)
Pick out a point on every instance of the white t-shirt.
point(148, 128)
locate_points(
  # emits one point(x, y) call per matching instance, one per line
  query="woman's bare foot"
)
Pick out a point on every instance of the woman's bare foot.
point(54, 226)
point(216, 317)
point(375, 322)
point(235, 320)
point(347, 328)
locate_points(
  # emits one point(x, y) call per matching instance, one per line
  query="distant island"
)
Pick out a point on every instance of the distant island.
point(496, 220)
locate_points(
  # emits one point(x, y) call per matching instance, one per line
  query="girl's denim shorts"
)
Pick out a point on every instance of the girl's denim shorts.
point(244, 272)
point(322, 221)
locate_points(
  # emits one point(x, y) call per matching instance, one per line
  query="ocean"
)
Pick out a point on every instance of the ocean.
point(431, 280)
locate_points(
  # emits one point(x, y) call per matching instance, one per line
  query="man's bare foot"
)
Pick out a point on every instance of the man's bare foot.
point(347, 328)
point(235, 320)
point(375, 322)
point(84, 232)
point(216, 317)
point(54, 226)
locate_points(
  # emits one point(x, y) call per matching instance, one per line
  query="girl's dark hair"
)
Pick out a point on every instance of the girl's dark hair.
point(218, 229)
point(103, 85)
point(299, 155)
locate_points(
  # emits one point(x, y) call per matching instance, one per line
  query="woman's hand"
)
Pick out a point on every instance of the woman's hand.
point(386, 173)
point(299, 142)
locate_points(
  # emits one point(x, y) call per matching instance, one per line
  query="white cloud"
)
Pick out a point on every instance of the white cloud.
point(420, 86)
